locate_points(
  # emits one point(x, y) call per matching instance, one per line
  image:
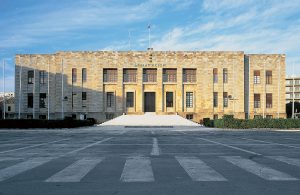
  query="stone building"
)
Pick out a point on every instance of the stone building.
point(193, 84)
point(292, 89)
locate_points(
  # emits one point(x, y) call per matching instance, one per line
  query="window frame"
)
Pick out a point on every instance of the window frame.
point(30, 76)
point(129, 99)
point(42, 100)
point(84, 75)
point(189, 99)
point(110, 101)
point(169, 99)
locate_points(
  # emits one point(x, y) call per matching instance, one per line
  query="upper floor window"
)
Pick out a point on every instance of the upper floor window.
point(189, 99)
point(189, 75)
point(169, 75)
point(225, 75)
point(256, 100)
point(110, 75)
point(42, 77)
point(169, 99)
point(269, 100)
point(30, 76)
point(42, 100)
point(74, 75)
point(149, 75)
point(84, 75)
point(215, 75)
point(129, 75)
point(256, 76)
point(268, 77)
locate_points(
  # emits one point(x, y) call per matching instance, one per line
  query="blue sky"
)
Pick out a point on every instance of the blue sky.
point(253, 26)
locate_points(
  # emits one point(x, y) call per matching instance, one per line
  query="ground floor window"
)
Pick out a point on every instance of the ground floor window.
point(215, 116)
point(189, 99)
point(42, 100)
point(269, 116)
point(42, 116)
point(110, 99)
point(190, 116)
point(109, 116)
point(30, 100)
point(257, 116)
point(169, 99)
point(129, 99)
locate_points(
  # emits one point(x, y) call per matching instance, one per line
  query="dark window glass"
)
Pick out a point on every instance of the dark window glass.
point(42, 117)
point(109, 116)
point(225, 99)
point(169, 75)
point(84, 75)
point(42, 100)
point(269, 116)
point(268, 77)
point(225, 75)
point(74, 75)
point(189, 99)
point(169, 99)
point(215, 75)
point(30, 76)
point(110, 75)
point(189, 75)
point(42, 77)
point(269, 100)
point(8, 108)
point(110, 99)
point(216, 116)
point(83, 95)
point(256, 76)
point(256, 100)
point(129, 99)
point(149, 75)
point(30, 100)
point(215, 99)
point(129, 75)
point(189, 116)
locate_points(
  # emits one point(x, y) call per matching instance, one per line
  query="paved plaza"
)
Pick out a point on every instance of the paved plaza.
point(175, 161)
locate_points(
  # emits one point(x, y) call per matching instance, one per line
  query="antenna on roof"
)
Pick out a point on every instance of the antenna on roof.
point(149, 36)
point(129, 41)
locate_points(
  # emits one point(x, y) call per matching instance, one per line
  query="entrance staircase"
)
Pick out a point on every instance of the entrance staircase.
point(150, 120)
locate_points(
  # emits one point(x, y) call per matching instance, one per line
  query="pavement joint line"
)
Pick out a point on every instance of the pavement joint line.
point(90, 145)
point(274, 143)
point(2, 142)
point(155, 149)
point(291, 139)
point(33, 146)
point(233, 147)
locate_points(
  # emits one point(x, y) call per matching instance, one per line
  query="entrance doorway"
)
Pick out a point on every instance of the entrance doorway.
point(149, 102)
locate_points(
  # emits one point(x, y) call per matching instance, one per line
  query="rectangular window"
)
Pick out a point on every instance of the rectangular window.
point(110, 75)
point(225, 75)
point(169, 99)
point(189, 75)
point(84, 75)
point(110, 99)
point(215, 99)
point(83, 96)
point(74, 75)
point(42, 77)
point(8, 108)
point(269, 77)
point(30, 76)
point(269, 116)
point(256, 100)
point(109, 116)
point(42, 100)
point(149, 75)
point(30, 100)
point(189, 99)
point(256, 76)
point(216, 116)
point(269, 100)
point(129, 99)
point(129, 75)
point(225, 99)
point(215, 75)
point(169, 75)
point(43, 117)
point(189, 116)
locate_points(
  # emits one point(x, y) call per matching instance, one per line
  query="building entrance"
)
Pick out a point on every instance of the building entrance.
point(149, 102)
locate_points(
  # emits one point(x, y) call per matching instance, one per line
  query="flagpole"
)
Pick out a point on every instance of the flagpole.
point(149, 35)
point(62, 89)
point(4, 106)
point(48, 75)
point(20, 89)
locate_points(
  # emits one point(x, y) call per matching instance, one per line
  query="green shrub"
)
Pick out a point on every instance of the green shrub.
point(229, 122)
